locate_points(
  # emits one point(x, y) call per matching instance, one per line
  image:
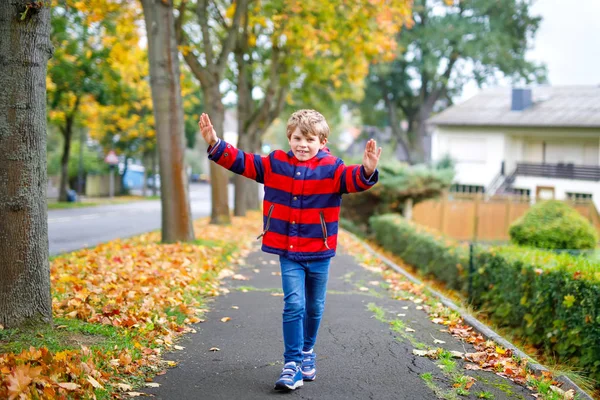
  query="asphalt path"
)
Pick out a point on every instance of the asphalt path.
point(358, 356)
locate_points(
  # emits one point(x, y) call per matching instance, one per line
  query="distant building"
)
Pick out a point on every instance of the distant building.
point(542, 142)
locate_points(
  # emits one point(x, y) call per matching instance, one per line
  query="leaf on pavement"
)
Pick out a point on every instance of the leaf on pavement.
point(225, 319)
point(409, 330)
point(124, 386)
point(152, 384)
point(363, 289)
point(138, 394)
point(214, 349)
point(239, 277)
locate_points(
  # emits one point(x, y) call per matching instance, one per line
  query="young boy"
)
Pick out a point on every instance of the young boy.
point(303, 194)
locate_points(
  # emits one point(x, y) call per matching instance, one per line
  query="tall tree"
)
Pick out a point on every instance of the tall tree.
point(311, 53)
point(217, 27)
point(81, 33)
point(24, 268)
point(450, 43)
point(169, 121)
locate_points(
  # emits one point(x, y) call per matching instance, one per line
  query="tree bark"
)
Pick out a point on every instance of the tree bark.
point(219, 176)
point(67, 132)
point(168, 114)
point(24, 267)
point(210, 75)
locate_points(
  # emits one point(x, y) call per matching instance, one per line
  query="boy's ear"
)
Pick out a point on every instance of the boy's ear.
point(323, 143)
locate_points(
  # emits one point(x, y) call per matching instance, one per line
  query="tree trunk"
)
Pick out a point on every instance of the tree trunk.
point(219, 176)
point(155, 172)
point(240, 182)
point(67, 132)
point(408, 209)
point(252, 198)
point(145, 178)
point(168, 114)
point(24, 268)
point(123, 189)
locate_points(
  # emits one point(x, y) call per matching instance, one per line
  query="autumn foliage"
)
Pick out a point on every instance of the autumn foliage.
point(148, 292)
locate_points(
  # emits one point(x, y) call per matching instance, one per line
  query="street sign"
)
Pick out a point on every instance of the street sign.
point(111, 158)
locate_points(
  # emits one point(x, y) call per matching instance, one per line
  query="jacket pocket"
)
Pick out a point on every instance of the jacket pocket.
point(268, 223)
point(324, 228)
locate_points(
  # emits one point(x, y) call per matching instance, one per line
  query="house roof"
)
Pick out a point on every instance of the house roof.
point(553, 106)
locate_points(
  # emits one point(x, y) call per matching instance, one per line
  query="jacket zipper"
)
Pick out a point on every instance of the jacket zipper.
point(268, 222)
point(324, 229)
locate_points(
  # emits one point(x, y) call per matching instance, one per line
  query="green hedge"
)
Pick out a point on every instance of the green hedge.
point(553, 225)
point(550, 300)
point(419, 248)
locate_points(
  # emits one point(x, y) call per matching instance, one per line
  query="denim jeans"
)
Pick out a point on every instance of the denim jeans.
point(304, 287)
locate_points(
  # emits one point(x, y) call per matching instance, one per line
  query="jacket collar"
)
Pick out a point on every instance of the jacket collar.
point(322, 153)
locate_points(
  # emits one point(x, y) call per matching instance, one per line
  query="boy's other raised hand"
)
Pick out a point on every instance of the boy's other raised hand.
point(208, 133)
point(371, 157)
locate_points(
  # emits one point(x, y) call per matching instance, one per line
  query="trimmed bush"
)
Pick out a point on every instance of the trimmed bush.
point(553, 225)
point(431, 255)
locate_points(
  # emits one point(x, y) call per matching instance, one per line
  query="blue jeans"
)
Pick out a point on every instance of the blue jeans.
point(304, 287)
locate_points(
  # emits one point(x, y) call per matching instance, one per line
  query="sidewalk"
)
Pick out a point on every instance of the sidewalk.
point(359, 356)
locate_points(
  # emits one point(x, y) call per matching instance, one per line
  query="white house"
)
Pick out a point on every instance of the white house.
point(543, 142)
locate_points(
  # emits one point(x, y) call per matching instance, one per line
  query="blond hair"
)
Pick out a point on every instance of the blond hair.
point(310, 122)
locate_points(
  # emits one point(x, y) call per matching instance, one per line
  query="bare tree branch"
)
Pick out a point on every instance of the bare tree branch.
point(201, 11)
point(229, 42)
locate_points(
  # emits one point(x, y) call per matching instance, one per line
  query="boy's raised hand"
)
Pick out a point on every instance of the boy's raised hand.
point(207, 130)
point(371, 157)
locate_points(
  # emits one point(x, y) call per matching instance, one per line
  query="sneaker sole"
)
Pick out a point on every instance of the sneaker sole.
point(284, 387)
point(309, 378)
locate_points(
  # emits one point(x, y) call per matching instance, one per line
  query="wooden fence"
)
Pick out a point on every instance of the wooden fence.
point(473, 217)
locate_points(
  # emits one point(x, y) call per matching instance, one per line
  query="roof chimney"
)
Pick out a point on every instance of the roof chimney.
point(521, 99)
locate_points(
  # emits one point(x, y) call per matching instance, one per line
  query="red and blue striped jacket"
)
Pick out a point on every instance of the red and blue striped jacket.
point(302, 199)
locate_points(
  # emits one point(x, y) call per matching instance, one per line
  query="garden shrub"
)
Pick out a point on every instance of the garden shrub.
point(553, 225)
point(431, 255)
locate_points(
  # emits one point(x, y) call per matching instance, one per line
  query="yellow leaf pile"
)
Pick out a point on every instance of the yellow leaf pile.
point(138, 286)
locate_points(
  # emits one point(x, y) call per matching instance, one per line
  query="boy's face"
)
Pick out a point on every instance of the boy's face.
point(305, 147)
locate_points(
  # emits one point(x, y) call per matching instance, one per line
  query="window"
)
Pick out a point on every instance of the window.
point(579, 196)
point(457, 188)
point(522, 192)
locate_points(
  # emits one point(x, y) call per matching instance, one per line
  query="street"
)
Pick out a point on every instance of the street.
point(72, 229)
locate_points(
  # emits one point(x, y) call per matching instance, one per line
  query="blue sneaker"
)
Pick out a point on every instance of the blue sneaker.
point(290, 378)
point(309, 366)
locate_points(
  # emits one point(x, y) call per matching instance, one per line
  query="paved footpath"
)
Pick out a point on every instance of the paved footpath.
point(358, 356)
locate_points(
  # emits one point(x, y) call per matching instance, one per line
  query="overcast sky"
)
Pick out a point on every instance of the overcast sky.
point(567, 41)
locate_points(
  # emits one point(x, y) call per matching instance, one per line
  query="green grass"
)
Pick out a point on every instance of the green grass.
point(59, 205)
point(446, 361)
point(427, 377)
point(63, 205)
point(485, 395)
point(67, 334)
point(377, 311)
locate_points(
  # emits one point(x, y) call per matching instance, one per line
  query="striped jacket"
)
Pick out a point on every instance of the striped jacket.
point(302, 199)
